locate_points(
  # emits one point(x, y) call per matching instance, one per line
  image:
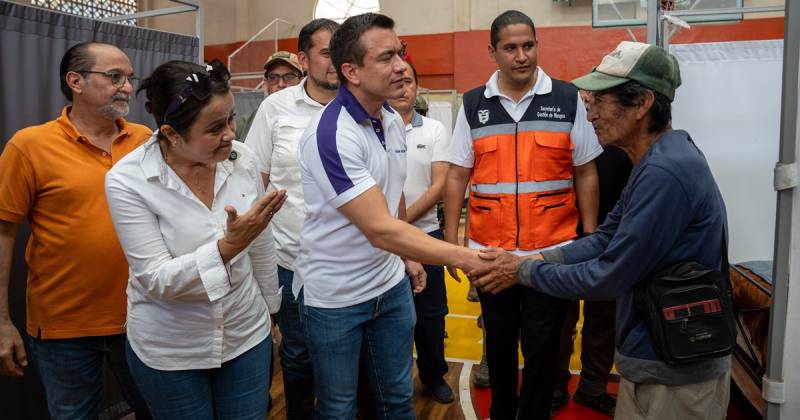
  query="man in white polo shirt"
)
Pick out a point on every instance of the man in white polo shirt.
point(274, 136)
point(426, 143)
point(350, 278)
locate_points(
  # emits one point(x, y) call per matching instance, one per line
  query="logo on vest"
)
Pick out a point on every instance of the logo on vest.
point(483, 115)
point(552, 112)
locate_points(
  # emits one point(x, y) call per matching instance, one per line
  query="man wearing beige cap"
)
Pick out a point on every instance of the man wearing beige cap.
point(671, 212)
point(282, 70)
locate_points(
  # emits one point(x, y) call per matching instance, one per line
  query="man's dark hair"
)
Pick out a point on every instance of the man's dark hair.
point(630, 94)
point(304, 42)
point(346, 45)
point(168, 81)
point(78, 58)
point(509, 17)
point(413, 71)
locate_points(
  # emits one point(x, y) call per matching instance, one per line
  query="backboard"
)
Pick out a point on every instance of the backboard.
point(607, 13)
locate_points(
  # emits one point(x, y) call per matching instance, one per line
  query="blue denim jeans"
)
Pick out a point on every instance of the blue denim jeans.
point(385, 327)
point(431, 307)
point(295, 360)
point(71, 371)
point(237, 390)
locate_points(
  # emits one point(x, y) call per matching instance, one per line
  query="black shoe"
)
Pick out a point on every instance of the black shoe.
point(602, 403)
point(481, 379)
point(441, 393)
point(560, 399)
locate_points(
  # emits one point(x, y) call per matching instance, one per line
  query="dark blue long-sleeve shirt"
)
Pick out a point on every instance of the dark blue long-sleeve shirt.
point(671, 211)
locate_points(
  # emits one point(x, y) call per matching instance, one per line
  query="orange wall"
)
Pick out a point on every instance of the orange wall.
point(221, 51)
point(434, 58)
point(460, 60)
point(568, 52)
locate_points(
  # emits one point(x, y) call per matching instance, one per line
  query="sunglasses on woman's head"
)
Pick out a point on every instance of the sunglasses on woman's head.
point(199, 86)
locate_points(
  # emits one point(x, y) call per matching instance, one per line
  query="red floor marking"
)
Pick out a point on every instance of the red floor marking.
point(737, 410)
point(482, 399)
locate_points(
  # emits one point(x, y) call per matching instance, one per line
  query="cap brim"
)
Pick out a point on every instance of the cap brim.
point(596, 81)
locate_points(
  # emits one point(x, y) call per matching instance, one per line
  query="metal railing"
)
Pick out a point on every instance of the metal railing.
point(251, 73)
point(187, 6)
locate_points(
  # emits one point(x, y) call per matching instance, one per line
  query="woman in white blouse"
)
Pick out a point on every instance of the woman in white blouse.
point(191, 214)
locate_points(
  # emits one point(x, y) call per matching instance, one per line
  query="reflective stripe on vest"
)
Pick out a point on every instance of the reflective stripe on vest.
point(522, 193)
point(521, 188)
point(500, 129)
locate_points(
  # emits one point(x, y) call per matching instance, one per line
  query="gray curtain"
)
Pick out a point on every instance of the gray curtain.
point(246, 106)
point(247, 102)
point(32, 41)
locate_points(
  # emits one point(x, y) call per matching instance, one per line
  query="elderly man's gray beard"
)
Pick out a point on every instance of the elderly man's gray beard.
point(117, 108)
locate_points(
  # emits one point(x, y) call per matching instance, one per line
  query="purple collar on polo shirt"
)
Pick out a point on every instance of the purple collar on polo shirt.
point(359, 114)
point(326, 136)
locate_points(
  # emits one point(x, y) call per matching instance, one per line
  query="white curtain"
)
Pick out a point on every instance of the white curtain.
point(730, 104)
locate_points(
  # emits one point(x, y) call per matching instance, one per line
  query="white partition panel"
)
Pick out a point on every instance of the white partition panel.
point(730, 103)
point(442, 112)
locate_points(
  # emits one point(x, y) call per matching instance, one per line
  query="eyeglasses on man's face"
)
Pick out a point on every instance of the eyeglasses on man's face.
point(117, 78)
point(275, 78)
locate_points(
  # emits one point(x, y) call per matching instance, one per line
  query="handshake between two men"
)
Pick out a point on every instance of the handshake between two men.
point(495, 271)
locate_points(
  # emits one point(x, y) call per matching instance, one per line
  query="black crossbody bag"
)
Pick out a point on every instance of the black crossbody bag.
point(688, 308)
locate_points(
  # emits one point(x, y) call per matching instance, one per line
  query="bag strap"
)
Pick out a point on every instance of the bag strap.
point(725, 266)
point(726, 269)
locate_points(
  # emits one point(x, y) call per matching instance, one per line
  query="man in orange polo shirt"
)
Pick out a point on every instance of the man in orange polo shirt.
point(53, 175)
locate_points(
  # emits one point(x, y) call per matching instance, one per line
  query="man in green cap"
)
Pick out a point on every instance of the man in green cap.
point(671, 211)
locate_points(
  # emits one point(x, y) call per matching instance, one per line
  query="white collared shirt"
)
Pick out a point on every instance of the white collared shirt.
point(343, 153)
point(426, 141)
point(278, 125)
point(582, 134)
point(186, 309)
